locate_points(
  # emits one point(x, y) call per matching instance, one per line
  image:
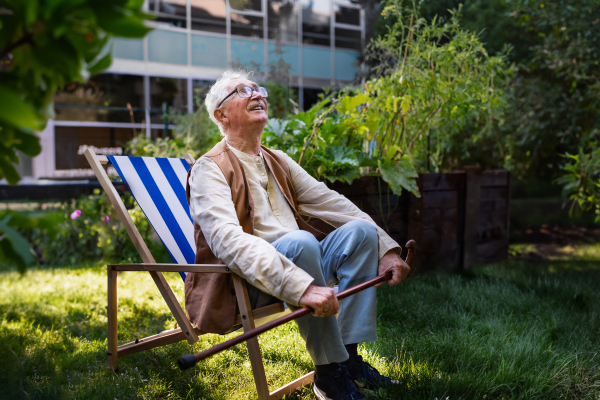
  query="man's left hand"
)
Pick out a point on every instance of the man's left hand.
point(391, 261)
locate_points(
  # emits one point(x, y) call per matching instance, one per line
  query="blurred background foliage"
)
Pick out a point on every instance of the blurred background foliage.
point(45, 45)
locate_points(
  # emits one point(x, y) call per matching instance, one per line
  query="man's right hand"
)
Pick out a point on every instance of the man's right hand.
point(321, 299)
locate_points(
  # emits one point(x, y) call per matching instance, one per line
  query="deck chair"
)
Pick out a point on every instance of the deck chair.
point(158, 186)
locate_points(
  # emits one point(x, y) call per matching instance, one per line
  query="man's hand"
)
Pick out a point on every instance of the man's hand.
point(320, 299)
point(392, 262)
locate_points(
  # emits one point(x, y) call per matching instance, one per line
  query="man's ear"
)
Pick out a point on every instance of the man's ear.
point(221, 116)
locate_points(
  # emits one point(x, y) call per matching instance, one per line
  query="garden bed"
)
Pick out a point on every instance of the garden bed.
point(460, 220)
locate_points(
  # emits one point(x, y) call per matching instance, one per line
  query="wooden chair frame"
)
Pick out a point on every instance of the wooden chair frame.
point(186, 331)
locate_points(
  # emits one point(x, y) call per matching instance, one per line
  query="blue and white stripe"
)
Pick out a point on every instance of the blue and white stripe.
point(158, 186)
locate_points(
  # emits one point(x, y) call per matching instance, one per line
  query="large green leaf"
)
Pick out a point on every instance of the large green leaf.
point(115, 20)
point(15, 111)
point(341, 155)
point(21, 251)
point(400, 175)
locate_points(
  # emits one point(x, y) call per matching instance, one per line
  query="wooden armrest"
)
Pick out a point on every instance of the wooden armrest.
point(220, 268)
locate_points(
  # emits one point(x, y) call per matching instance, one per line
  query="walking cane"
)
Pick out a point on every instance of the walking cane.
point(189, 360)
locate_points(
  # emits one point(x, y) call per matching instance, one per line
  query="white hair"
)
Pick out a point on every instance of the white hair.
point(219, 90)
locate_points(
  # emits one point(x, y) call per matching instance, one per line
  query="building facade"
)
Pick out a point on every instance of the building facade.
point(303, 44)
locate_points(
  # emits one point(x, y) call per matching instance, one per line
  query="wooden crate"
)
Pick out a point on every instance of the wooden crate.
point(460, 220)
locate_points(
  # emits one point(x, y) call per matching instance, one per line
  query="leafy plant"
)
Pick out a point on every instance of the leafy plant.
point(581, 179)
point(43, 46)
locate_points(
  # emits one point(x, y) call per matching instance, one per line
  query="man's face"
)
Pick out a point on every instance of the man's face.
point(244, 113)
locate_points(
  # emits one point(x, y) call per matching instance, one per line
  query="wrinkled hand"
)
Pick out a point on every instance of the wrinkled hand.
point(321, 299)
point(392, 262)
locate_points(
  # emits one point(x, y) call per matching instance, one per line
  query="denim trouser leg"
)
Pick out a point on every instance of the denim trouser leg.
point(347, 257)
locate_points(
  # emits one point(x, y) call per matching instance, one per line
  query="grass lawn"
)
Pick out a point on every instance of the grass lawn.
point(515, 330)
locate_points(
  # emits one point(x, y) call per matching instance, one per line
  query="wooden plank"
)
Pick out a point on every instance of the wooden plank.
point(396, 223)
point(440, 199)
point(219, 268)
point(446, 181)
point(498, 177)
point(190, 159)
point(151, 342)
point(258, 369)
point(472, 202)
point(102, 160)
point(290, 387)
point(112, 307)
point(263, 312)
point(140, 246)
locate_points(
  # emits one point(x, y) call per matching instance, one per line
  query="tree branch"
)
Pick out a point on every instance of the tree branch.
point(11, 46)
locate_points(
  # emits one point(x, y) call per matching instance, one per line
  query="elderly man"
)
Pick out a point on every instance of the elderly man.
point(246, 201)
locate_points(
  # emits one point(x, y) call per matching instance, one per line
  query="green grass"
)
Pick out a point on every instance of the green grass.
point(512, 331)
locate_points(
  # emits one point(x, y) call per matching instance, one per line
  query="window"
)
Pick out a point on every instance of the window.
point(247, 25)
point(166, 95)
point(283, 20)
point(316, 22)
point(103, 98)
point(346, 15)
point(246, 5)
point(209, 15)
point(70, 139)
point(348, 39)
point(169, 12)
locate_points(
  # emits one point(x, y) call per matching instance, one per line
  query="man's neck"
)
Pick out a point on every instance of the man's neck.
point(245, 144)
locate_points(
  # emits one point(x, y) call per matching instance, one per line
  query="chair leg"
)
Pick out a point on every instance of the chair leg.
point(258, 368)
point(113, 356)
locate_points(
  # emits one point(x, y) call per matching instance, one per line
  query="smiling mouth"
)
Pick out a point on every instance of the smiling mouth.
point(257, 108)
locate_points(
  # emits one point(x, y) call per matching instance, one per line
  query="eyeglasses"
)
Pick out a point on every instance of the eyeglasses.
point(246, 91)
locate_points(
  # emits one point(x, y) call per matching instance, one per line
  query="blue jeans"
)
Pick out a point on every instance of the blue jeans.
point(346, 257)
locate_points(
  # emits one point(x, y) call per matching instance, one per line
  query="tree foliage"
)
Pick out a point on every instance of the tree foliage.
point(43, 46)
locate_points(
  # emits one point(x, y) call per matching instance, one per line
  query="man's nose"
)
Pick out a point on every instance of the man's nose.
point(256, 93)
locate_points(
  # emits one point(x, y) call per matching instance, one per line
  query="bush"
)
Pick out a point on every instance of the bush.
point(86, 229)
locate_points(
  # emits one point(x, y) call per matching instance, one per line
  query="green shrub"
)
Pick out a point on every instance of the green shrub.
point(86, 229)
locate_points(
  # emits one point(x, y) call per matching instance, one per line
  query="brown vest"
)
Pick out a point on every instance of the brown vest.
point(210, 297)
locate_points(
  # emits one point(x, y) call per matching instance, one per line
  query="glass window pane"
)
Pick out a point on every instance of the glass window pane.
point(69, 139)
point(315, 22)
point(253, 5)
point(103, 98)
point(283, 20)
point(348, 39)
point(166, 95)
point(246, 25)
point(209, 15)
point(169, 12)
point(345, 15)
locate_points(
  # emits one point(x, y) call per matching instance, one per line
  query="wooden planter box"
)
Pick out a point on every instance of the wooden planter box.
point(460, 220)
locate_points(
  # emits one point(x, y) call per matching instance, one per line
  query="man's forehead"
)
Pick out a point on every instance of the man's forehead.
point(240, 82)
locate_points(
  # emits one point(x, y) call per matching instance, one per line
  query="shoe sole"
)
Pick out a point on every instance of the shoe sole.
point(320, 395)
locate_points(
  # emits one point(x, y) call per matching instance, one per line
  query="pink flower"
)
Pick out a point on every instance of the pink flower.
point(75, 214)
point(106, 219)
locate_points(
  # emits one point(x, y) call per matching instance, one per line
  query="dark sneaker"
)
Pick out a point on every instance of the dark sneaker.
point(365, 376)
point(337, 385)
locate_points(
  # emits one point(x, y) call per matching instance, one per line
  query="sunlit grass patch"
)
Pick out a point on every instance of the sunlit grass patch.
point(513, 330)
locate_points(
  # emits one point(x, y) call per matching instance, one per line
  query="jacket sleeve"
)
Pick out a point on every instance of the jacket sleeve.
point(318, 201)
point(253, 258)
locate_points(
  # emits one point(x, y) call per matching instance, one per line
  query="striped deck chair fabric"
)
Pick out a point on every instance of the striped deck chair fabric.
point(158, 186)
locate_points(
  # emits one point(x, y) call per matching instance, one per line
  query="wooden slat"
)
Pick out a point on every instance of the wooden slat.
point(113, 359)
point(220, 268)
point(272, 310)
point(150, 342)
point(190, 159)
point(102, 160)
point(258, 369)
point(290, 387)
point(140, 246)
